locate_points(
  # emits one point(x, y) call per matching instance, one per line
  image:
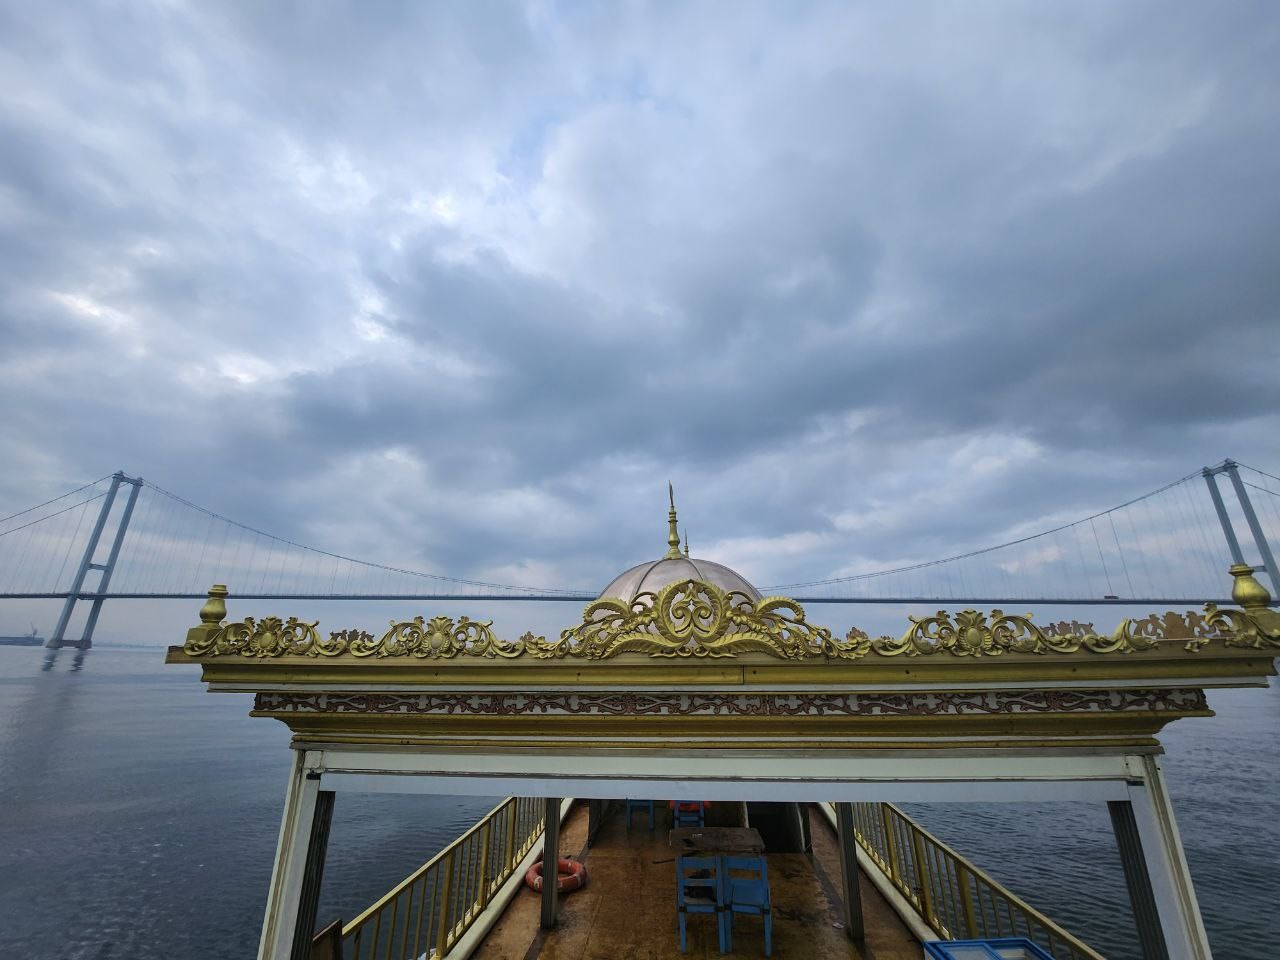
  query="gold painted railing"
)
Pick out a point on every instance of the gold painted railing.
point(956, 899)
point(429, 911)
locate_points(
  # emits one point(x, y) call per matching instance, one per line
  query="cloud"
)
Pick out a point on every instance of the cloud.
point(461, 289)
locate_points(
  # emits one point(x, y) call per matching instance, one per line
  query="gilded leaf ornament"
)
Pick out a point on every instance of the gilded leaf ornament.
point(974, 634)
point(1256, 625)
point(1242, 628)
point(438, 638)
point(441, 638)
point(694, 618)
point(697, 619)
point(268, 637)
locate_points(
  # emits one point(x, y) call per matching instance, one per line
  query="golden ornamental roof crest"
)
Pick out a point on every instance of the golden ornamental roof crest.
point(696, 619)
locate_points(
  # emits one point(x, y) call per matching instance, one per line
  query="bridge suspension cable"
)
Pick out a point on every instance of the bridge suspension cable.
point(181, 547)
point(1165, 546)
point(1007, 559)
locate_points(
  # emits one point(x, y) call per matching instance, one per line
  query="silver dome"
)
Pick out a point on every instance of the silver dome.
point(653, 576)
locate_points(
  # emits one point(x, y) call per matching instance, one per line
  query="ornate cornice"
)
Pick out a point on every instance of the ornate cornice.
point(439, 638)
point(974, 634)
point(1256, 625)
point(693, 619)
point(737, 705)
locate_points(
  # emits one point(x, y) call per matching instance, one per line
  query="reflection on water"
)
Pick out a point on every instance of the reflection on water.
point(140, 814)
point(140, 817)
point(51, 659)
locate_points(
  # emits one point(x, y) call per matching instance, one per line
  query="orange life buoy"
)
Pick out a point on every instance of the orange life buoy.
point(570, 875)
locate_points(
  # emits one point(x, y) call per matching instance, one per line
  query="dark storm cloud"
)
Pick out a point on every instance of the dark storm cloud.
point(462, 287)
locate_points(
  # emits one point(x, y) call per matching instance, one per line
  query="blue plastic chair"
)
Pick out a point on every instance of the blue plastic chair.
point(688, 813)
point(646, 805)
point(746, 890)
point(699, 889)
point(1013, 947)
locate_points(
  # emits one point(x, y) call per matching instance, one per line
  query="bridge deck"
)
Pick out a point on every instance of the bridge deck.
point(627, 912)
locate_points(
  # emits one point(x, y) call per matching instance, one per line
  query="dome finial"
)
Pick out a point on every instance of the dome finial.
point(673, 531)
point(686, 542)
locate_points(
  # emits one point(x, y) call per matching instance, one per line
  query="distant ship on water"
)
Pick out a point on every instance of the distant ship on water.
point(23, 640)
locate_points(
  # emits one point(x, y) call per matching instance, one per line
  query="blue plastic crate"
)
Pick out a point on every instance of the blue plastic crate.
point(1007, 948)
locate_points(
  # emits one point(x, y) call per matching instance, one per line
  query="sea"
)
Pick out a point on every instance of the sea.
point(139, 816)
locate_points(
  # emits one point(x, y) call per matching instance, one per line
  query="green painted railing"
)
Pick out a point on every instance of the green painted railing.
point(958, 900)
point(429, 911)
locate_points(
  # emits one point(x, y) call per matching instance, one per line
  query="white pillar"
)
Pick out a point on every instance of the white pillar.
point(1166, 864)
point(291, 859)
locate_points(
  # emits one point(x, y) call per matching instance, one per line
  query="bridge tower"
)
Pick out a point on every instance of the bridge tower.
point(87, 563)
point(1250, 518)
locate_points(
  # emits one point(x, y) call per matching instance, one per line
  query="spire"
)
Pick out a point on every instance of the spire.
point(686, 543)
point(673, 531)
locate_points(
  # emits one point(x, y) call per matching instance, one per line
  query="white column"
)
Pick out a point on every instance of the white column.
point(291, 860)
point(1166, 864)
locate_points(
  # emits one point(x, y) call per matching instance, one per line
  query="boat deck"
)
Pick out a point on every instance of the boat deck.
point(626, 911)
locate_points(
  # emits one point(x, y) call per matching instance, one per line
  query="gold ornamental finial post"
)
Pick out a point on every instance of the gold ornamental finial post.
point(212, 614)
point(673, 529)
point(686, 543)
point(215, 608)
point(1246, 590)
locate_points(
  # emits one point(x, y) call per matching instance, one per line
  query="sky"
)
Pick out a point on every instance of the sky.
point(461, 287)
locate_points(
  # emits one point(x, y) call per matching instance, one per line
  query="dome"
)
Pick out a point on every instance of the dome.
point(653, 576)
point(675, 566)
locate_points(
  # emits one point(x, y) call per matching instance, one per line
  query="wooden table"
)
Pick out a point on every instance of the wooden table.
point(713, 841)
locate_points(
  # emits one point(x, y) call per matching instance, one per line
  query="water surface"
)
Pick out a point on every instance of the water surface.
point(140, 815)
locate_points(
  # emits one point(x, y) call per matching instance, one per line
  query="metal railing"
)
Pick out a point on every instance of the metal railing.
point(958, 900)
point(429, 911)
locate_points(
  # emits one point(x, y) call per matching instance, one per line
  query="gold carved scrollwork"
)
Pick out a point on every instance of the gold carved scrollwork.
point(693, 618)
point(1243, 628)
point(440, 638)
point(975, 634)
point(437, 638)
point(1257, 625)
point(1189, 626)
point(268, 637)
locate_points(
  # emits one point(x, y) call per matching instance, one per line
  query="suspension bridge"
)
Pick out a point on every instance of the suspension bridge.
point(121, 537)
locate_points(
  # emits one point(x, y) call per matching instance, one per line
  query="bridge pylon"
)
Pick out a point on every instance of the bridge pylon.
point(58, 639)
point(1229, 467)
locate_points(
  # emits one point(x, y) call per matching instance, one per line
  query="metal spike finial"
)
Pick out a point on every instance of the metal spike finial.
point(686, 543)
point(673, 531)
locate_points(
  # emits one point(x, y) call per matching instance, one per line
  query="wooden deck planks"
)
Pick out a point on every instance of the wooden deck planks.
point(627, 912)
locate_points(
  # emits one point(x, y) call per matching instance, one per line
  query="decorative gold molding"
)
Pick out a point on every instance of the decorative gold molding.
point(786, 705)
point(974, 634)
point(1257, 625)
point(693, 618)
point(439, 638)
point(268, 637)
point(434, 639)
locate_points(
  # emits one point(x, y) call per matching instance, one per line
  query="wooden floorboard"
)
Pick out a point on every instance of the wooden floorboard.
point(627, 909)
